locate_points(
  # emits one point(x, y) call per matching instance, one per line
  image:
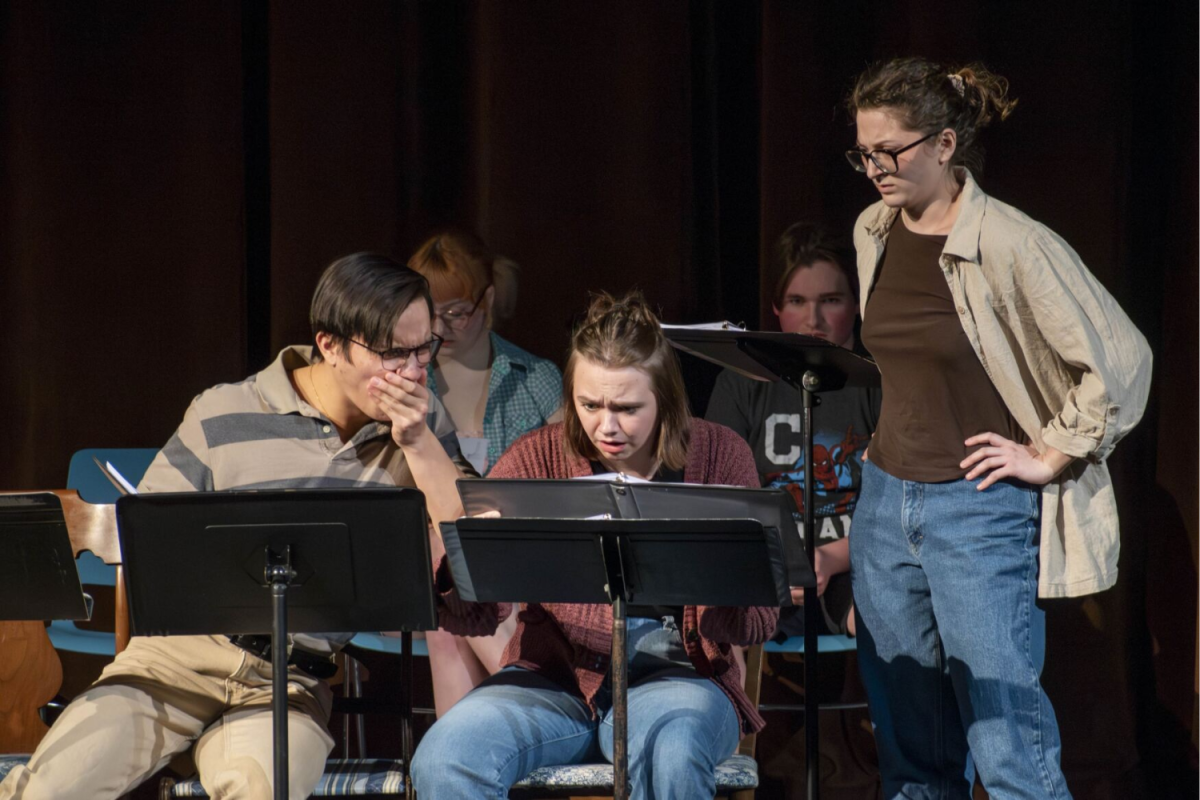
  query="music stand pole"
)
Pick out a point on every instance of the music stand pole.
point(406, 710)
point(620, 676)
point(809, 384)
point(279, 573)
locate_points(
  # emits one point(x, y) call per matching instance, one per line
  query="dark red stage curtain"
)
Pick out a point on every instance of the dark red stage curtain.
point(122, 224)
point(177, 175)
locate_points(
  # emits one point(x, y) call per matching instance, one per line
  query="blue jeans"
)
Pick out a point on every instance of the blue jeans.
point(680, 727)
point(950, 637)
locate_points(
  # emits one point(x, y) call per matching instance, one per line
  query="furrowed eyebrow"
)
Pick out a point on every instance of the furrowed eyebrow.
point(395, 346)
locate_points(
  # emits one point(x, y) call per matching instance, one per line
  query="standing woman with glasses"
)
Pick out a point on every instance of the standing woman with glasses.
point(1009, 374)
point(493, 391)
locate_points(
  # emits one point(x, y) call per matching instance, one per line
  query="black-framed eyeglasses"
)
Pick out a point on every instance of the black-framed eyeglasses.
point(458, 319)
point(885, 160)
point(395, 358)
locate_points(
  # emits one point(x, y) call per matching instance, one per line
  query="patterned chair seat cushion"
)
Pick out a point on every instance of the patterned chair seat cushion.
point(356, 777)
point(733, 774)
point(343, 778)
point(9, 762)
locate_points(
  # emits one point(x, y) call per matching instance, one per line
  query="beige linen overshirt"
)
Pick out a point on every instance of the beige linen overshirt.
point(1071, 367)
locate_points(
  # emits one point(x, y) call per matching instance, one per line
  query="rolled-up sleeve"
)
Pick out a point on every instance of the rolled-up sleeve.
point(1088, 330)
point(741, 626)
point(461, 617)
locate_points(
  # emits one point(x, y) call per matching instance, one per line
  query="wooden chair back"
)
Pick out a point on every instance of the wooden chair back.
point(754, 664)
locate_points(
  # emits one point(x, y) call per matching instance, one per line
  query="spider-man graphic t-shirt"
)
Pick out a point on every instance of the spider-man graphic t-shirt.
point(768, 417)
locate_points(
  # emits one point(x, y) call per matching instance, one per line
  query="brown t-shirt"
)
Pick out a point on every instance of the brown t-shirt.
point(936, 394)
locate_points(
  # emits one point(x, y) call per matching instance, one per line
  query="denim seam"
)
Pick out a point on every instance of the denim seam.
point(939, 733)
point(712, 741)
point(713, 729)
point(1037, 693)
point(547, 743)
point(912, 506)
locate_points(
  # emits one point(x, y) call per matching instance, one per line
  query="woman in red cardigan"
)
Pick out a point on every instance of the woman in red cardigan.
point(625, 410)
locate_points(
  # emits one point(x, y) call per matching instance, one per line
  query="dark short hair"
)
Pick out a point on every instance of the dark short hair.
point(362, 296)
point(626, 333)
point(802, 245)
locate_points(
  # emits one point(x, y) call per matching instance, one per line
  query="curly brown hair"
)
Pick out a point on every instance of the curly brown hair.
point(929, 97)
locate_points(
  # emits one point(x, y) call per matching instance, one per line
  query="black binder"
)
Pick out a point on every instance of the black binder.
point(38, 576)
point(588, 498)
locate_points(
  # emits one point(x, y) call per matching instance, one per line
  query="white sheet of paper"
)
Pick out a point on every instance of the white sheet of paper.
point(129, 487)
point(612, 477)
point(706, 326)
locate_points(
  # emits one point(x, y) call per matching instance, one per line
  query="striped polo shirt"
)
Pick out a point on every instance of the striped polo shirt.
point(260, 434)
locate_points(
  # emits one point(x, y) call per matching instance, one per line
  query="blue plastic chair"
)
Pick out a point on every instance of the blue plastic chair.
point(826, 643)
point(388, 644)
point(86, 478)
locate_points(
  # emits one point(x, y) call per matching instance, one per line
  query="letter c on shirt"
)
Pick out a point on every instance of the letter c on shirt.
point(792, 456)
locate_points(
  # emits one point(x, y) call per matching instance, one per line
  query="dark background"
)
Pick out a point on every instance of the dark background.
point(176, 176)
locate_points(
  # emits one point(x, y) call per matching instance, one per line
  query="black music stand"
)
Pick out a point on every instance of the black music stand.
point(287, 561)
point(730, 562)
point(38, 576)
point(624, 499)
point(812, 366)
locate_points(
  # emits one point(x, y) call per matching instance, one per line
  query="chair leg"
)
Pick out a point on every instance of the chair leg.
point(352, 687)
point(360, 721)
point(346, 692)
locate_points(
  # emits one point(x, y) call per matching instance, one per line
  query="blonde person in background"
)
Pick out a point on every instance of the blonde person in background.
point(493, 391)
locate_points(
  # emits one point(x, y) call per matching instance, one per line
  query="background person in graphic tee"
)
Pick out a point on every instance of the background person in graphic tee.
point(816, 294)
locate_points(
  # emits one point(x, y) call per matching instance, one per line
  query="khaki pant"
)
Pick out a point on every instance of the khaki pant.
point(164, 694)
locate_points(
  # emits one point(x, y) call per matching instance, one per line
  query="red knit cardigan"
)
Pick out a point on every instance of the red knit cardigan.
point(570, 643)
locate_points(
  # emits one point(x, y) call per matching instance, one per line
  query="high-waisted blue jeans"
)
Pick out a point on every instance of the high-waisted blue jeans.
point(951, 639)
